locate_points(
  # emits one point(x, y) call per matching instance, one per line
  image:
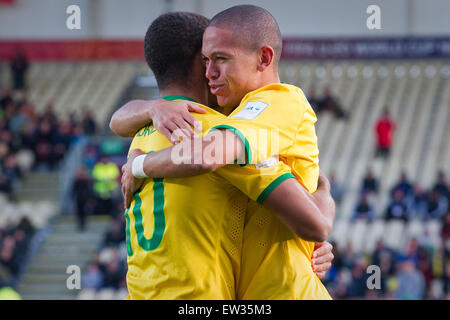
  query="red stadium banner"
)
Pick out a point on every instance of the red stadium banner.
point(74, 49)
point(293, 49)
point(10, 2)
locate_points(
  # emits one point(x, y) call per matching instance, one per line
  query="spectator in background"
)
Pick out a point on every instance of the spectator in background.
point(405, 186)
point(88, 123)
point(384, 257)
point(337, 190)
point(4, 150)
point(28, 136)
point(386, 269)
point(411, 252)
point(358, 285)
point(446, 280)
point(72, 120)
point(313, 100)
point(419, 202)
point(44, 148)
point(445, 234)
point(397, 208)
point(411, 283)
point(6, 185)
point(424, 265)
point(349, 256)
point(5, 98)
point(8, 293)
point(436, 205)
point(442, 186)
point(19, 119)
point(92, 278)
point(116, 233)
point(19, 66)
point(113, 274)
point(105, 174)
point(21, 247)
point(445, 230)
point(49, 114)
point(27, 108)
point(11, 170)
point(384, 130)
point(330, 103)
point(363, 209)
point(82, 191)
point(7, 257)
point(369, 184)
point(61, 140)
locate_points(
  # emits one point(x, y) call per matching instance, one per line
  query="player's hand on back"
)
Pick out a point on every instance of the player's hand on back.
point(174, 120)
point(322, 258)
point(129, 183)
point(323, 183)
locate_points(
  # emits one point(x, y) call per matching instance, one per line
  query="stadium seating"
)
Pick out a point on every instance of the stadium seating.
point(38, 213)
point(416, 94)
point(72, 87)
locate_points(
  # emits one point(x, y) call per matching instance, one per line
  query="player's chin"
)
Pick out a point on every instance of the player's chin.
point(225, 101)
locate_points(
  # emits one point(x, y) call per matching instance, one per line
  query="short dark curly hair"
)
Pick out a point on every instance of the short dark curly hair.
point(171, 44)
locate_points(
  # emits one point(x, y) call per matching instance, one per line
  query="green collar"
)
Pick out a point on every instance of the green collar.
point(175, 97)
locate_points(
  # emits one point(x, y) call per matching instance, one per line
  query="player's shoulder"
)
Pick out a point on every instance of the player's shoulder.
point(210, 112)
point(278, 89)
point(210, 118)
point(211, 115)
point(291, 96)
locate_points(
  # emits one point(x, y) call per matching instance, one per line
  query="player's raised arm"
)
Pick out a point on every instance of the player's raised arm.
point(192, 157)
point(167, 116)
point(188, 158)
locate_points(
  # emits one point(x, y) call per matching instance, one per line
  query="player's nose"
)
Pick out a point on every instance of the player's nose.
point(211, 71)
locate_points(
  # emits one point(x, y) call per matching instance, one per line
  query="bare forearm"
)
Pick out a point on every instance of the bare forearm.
point(131, 117)
point(163, 164)
point(196, 156)
point(325, 204)
point(302, 212)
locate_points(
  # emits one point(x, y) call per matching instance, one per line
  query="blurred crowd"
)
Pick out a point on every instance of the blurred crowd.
point(326, 103)
point(14, 244)
point(108, 266)
point(422, 270)
point(29, 141)
point(33, 141)
point(407, 200)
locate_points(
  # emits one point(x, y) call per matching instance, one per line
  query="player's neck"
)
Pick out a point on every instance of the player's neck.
point(265, 79)
point(270, 77)
point(189, 93)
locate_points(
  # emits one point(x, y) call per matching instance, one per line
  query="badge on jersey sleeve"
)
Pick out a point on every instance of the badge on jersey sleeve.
point(251, 110)
point(270, 162)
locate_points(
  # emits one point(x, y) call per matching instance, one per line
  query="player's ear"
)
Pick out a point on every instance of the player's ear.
point(266, 55)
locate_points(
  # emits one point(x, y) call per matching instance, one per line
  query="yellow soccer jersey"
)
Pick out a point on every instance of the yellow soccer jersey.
point(278, 120)
point(276, 264)
point(184, 235)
